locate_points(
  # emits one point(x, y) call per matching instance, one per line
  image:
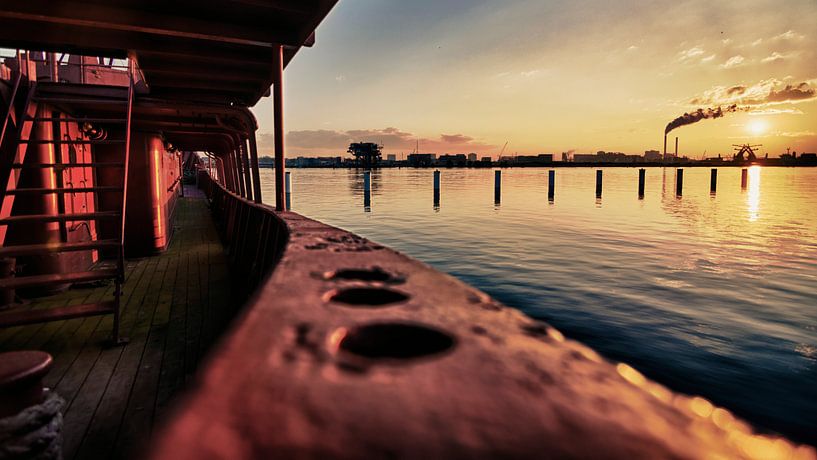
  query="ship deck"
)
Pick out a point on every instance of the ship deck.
point(175, 305)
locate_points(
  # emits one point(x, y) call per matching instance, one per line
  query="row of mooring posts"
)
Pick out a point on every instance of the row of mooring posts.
point(642, 175)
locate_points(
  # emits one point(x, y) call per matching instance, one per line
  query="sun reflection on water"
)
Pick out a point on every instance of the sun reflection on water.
point(753, 196)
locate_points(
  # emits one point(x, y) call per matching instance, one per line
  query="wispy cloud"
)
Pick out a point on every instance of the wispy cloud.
point(733, 61)
point(690, 53)
point(392, 139)
point(763, 93)
point(774, 57)
point(789, 35)
point(776, 111)
point(793, 134)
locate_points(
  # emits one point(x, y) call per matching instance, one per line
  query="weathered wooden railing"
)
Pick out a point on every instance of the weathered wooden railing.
point(351, 350)
point(253, 235)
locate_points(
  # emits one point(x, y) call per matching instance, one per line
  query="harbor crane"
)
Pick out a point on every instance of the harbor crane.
point(502, 151)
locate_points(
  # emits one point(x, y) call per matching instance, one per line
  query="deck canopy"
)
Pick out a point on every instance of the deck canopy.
point(218, 51)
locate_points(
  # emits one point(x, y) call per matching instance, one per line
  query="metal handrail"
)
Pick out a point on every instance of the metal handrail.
point(125, 178)
point(11, 105)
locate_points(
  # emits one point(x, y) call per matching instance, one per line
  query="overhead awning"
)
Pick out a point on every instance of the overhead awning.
point(218, 51)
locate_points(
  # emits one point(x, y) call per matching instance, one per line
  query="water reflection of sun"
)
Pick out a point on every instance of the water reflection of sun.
point(753, 195)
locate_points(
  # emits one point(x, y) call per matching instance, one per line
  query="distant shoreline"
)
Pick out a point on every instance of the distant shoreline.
point(771, 162)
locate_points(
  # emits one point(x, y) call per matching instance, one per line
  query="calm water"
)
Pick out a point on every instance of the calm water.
point(712, 295)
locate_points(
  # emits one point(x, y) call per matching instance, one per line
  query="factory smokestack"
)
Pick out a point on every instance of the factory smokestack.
point(696, 116)
point(676, 146)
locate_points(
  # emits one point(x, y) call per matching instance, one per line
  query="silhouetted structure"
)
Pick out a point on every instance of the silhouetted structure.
point(746, 149)
point(367, 154)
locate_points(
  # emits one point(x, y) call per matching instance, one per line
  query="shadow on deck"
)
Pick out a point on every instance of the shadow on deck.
point(174, 307)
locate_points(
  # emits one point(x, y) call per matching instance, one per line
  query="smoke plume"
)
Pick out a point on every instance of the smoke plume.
point(698, 115)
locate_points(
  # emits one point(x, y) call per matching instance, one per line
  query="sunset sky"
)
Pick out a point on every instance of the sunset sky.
point(551, 76)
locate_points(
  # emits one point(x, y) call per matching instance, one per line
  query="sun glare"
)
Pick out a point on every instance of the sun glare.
point(757, 127)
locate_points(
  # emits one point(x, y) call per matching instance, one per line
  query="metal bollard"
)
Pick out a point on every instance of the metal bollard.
point(679, 182)
point(642, 173)
point(436, 188)
point(713, 180)
point(744, 177)
point(598, 183)
point(497, 185)
point(551, 184)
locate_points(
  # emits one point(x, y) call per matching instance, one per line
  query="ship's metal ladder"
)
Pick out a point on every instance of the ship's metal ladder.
point(29, 116)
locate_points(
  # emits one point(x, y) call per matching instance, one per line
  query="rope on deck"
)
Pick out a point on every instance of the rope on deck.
point(35, 432)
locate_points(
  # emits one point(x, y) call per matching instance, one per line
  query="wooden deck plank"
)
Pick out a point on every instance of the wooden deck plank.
point(174, 306)
point(103, 428)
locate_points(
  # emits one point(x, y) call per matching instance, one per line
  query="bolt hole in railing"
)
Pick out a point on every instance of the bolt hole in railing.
point(394, 341)
point(366, 297)
point(361, 274)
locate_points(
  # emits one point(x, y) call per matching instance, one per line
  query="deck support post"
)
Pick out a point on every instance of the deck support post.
point(256, 175)
point(245, 165)
point(278, 125)
point(239, 171)
point(713, 180)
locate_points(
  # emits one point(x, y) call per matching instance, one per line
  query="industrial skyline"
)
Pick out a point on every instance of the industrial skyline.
point(468, 76)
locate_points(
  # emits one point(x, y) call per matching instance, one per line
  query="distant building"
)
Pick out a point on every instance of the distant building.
point(421, 159)
point(316, 162)
point(472, 157)
point(485, 160)
point(567, 156)
point(652, 155)
point(452, 160)
point(391, 157)
point(534, 160)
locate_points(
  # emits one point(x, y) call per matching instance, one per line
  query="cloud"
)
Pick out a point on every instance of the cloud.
point(793, 134)
point(707, 59)
point(632, 48)
point(733, 61)
point(774, 57)
point(340, 78)
point(763, 93)
point(757, 42)
point(789, 35)
point(393, 139)
point(773, 111)
point(690, 53)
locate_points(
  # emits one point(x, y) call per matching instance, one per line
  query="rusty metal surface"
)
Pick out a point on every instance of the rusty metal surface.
point(352, 350)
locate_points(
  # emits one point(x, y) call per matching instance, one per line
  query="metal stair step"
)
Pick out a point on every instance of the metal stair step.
point(46, 191)
point(60, 217)
point(20, 318)
point(79, 120)
point(38, 249)
point(70, 100)
point(68, 165)
point(72, 141)
point(58, 278)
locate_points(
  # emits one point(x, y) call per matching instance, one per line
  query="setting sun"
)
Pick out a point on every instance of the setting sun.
point(757, 127)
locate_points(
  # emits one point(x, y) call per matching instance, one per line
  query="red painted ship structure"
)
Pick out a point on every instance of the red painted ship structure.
point(154, 306)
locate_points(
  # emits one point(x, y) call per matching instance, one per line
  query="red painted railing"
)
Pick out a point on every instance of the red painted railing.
point(255, 237)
